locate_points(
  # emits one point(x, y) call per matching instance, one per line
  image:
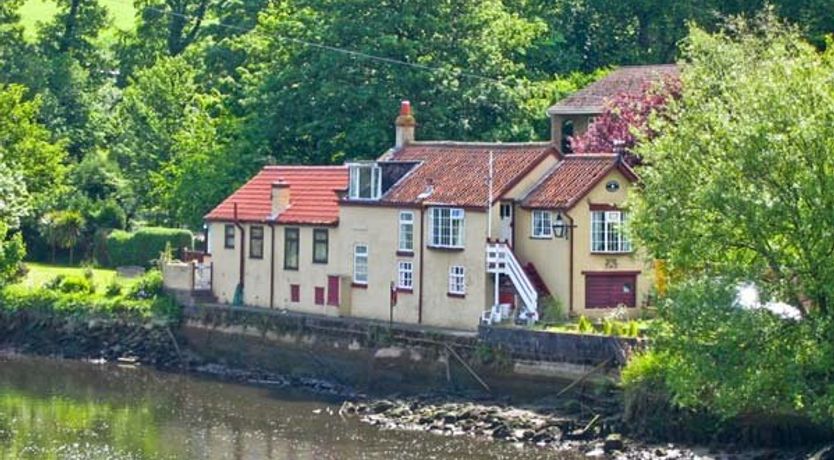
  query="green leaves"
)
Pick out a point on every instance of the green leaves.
point(739, 181)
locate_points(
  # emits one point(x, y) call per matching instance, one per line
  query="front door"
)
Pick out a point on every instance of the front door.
point(505, 228)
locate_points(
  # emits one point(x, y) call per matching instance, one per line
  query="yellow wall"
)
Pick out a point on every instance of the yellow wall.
point(552, 257)
point(378, 227)
point(257, 271)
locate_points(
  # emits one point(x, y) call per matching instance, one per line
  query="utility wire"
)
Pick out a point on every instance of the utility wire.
point(336, 49)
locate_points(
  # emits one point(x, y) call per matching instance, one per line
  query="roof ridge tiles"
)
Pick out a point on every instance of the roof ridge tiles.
point(481, 144)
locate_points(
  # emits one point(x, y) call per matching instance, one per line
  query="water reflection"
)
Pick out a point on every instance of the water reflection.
point(62, 409)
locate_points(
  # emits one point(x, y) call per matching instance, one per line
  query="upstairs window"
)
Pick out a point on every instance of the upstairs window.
point(608, 232)
point(229, 236)
point(365, 182)
point(406, 231)
point(291, 248)
point(320, 242)
point(256, 242)
point(360, 264)
point(542, 225)
point(446, 226)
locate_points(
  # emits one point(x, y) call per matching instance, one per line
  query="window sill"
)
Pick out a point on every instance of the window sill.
point(405, 290)
point(256, 258)
point(291, 269)
point(612, 253)
point(455, 295)
point(359, 285)
point(447, 248)
point(320, 262)
point(405, 253)
point(534, 237)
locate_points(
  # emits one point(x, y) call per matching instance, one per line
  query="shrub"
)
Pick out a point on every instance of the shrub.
point(148, 287)
point(71, 284)
point(143, 246)
point(553, 311)
point(585, 325)
point(114, 289)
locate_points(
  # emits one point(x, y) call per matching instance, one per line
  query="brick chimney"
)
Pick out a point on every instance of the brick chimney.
point(280, 198)
point(405, 125)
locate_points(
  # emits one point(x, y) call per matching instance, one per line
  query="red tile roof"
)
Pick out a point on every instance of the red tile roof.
point(572, 178)
point(457, 172)
point(629, 79)
point(313, 195)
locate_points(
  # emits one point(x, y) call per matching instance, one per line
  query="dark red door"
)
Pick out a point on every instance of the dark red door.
point(333, 291)
point(607, 290)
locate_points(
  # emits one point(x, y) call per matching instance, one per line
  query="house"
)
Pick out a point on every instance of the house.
point(439, 233)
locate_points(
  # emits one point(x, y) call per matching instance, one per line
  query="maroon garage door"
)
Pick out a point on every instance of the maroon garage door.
point(607, 290)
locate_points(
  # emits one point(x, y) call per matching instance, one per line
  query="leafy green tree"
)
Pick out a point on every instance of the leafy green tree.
point(161, 110)
point(27, 147)
point(312, 105)
point(739, 183)
point(63, 229)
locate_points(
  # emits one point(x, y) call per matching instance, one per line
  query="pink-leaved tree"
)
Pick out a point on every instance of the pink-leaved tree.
point(625, 120)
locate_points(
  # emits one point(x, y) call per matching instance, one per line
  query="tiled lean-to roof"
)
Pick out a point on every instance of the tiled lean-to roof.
point(313, 196)
point(572, 178)
point(630, 80)
point(456, 173)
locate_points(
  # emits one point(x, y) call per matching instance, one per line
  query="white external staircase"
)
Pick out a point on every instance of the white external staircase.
point(501, 260)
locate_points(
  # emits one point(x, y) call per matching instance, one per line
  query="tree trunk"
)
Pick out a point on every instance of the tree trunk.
point(69, 26)
point(71, 251)
point(53, 253)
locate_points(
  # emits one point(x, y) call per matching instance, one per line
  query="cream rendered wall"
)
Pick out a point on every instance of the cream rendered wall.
point(460, 313)
point(585, 260)
point(580, 125)
point(225, 269)
point(519, 191)
point(378, 228)
point(550, 256)
point(257, 271)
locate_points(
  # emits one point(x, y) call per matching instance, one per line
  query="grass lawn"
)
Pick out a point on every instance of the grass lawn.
point(41, 273)
point(122, 13)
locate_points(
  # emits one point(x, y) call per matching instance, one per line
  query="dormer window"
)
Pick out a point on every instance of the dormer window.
point(365, 181)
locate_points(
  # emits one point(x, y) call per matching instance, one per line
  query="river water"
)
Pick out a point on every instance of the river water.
point(75, 410)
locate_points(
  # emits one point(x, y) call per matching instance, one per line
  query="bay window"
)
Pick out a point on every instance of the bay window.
point(608, 232)
point(446, 227)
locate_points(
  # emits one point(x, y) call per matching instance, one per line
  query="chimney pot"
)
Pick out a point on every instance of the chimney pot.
point(280, 197)
point(405, 125)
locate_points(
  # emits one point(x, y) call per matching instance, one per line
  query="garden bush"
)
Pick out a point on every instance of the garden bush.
point(143, 246)
point(148, 287)
point(69, 284)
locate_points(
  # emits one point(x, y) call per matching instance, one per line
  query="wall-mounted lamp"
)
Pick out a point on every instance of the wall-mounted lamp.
point(561, 229)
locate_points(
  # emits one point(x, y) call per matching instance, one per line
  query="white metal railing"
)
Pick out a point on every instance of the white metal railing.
point(202, 276)
point(502, 260)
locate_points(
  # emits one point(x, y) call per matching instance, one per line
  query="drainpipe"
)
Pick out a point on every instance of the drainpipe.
point(422, 250)
point(242, 255)
point(272, 266)
point(570, 262)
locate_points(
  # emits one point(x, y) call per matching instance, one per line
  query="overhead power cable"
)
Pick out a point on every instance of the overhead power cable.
point(337, 49)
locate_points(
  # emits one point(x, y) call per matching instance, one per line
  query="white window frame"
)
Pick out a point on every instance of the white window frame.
point(608, 232)
point(541, 224)
point(360, 263)
point(447, 227)
point(405, 275)
point(457, 280)
point(355, 178)
point(406, 227)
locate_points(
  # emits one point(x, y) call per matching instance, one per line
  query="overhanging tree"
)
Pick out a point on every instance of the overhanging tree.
point(739, 184)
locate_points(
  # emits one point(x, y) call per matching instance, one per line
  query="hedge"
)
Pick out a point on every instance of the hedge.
point(143, 246)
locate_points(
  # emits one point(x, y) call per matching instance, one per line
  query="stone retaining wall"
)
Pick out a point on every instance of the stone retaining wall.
point(585, 349)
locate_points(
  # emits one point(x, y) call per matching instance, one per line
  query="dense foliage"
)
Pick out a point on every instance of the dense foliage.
point(143, 246)
point(737, 189)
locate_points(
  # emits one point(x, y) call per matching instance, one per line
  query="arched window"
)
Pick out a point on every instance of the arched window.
point(567, 133)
